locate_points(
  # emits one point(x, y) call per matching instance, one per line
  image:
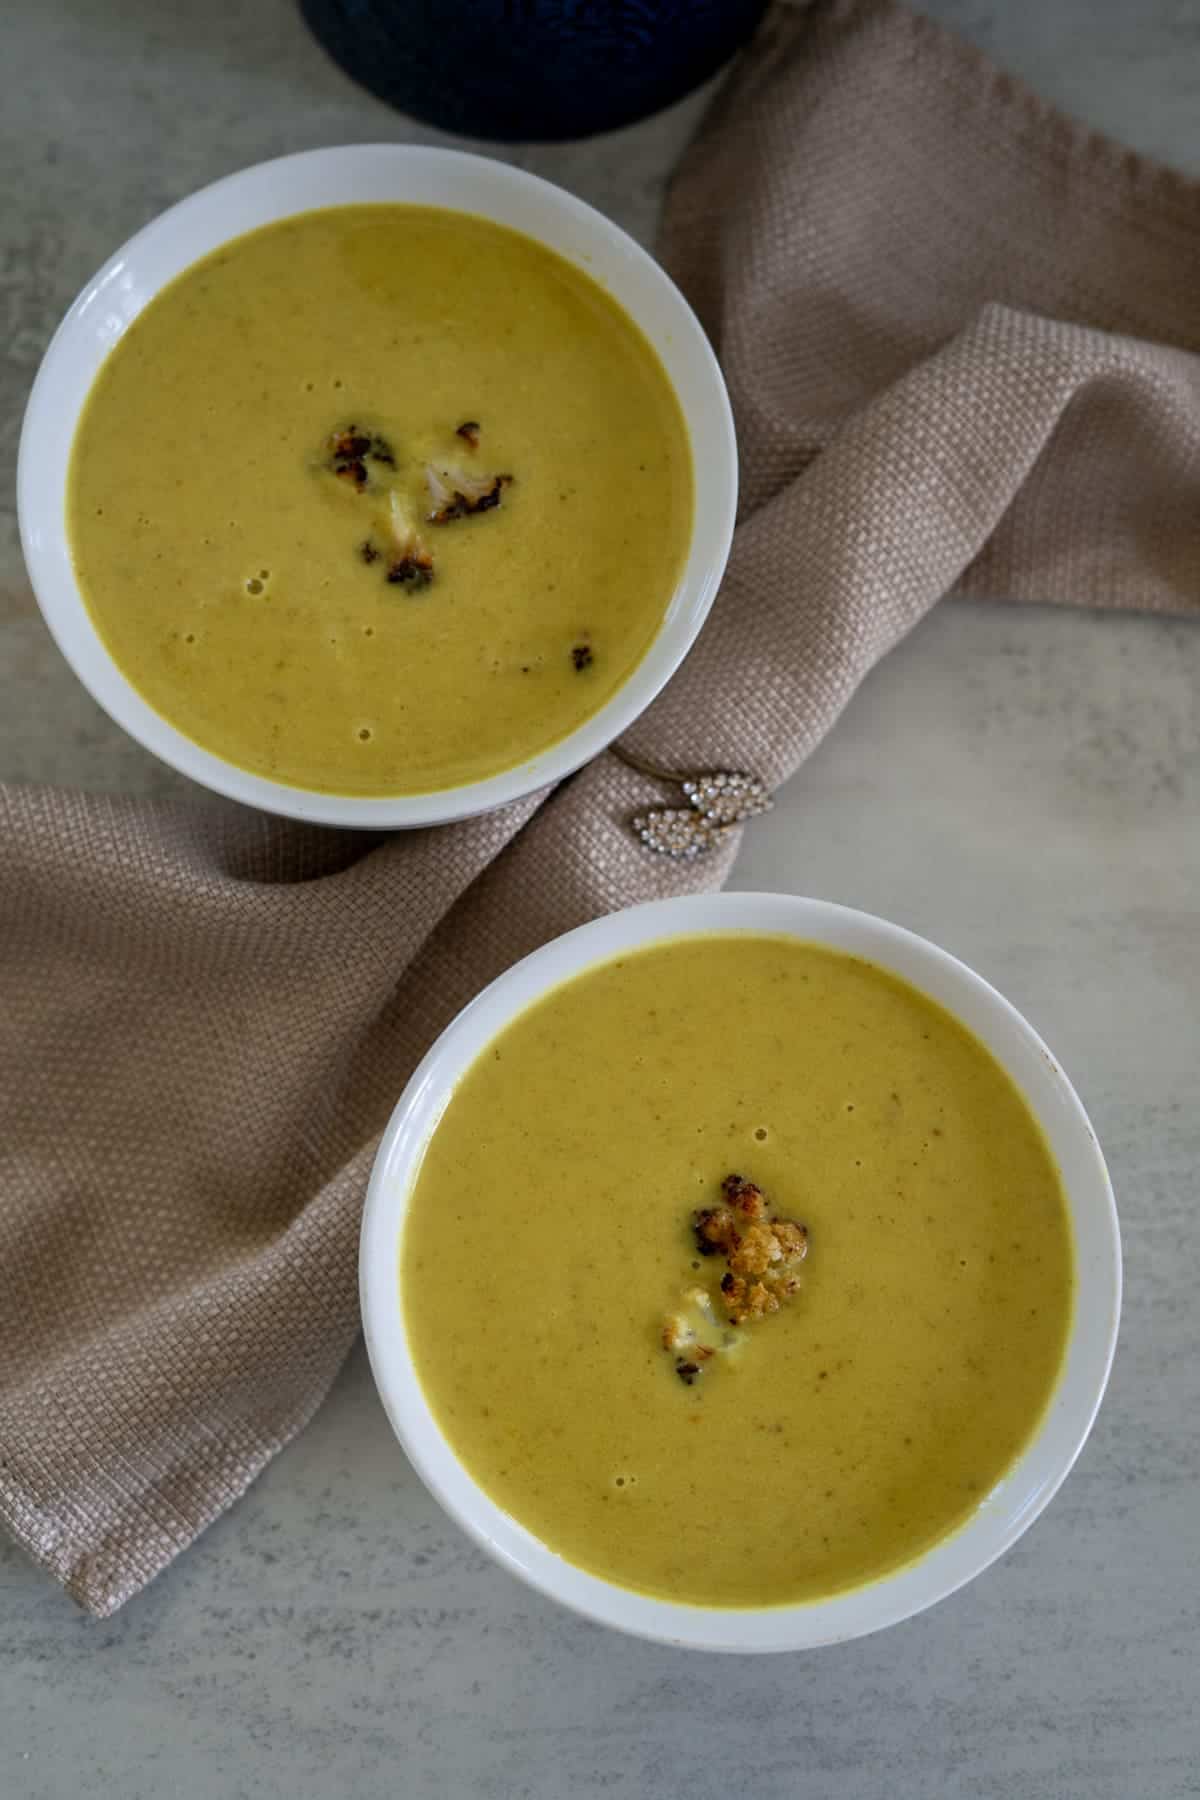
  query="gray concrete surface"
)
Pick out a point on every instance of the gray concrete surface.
point(1022, 786)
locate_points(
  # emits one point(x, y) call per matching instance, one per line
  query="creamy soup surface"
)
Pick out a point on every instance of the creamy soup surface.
point(380, 499)
point(550, 1251)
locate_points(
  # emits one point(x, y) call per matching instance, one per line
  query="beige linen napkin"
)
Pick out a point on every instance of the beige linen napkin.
point(961, 337)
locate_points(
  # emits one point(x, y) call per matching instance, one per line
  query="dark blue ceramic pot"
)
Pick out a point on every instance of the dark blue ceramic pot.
point(530, 68)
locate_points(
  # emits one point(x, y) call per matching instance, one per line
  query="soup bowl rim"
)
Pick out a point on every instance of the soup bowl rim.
point(1022, 1493)
point(348, 174)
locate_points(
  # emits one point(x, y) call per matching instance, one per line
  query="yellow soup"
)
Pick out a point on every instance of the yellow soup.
point(380, 499)
point(557, 1298)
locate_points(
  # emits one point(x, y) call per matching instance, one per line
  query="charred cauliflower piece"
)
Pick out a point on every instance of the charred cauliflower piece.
point(762, 1253)
point(409, 561)
point(350, 449)
point(716, 1230)
point(455, 492)
point(693, 1334)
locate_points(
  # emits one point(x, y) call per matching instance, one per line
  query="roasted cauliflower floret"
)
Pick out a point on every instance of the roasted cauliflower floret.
point(762, 1256)
point(455, 493)
point(716, 1230)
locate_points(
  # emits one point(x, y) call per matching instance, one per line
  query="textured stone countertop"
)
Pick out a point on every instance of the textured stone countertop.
point(335, 1635)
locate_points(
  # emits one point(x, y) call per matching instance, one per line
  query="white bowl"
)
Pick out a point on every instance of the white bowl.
point(1017, 1499)
point(275, 190)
